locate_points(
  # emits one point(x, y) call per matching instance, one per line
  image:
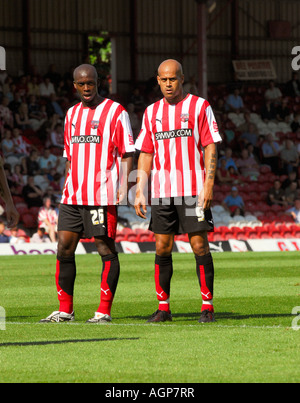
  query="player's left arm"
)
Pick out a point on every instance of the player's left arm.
point(210, 161)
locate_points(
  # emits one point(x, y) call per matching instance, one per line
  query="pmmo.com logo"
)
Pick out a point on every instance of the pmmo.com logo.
point(2, 318)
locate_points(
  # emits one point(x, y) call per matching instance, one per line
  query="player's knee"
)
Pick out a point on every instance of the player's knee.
point(200, 245)
point(164, 245)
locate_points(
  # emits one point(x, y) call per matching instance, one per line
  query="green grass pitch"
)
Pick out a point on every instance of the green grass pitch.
point(255, 338)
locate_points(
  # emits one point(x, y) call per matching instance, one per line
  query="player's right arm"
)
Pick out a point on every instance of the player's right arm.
point(144, 169)
point(12, 214)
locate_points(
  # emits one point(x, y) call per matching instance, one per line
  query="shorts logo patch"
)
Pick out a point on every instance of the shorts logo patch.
point(200, 214)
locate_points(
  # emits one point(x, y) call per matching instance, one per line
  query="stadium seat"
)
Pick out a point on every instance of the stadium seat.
point(29, 220)
point(131, 237)
point(182, 237)
point(146, 237)
point(276, 208)
point(253, 235)
point(119, 237)
point(265, 169)
point(265, 235)
point(22, 208)
point(34, 210)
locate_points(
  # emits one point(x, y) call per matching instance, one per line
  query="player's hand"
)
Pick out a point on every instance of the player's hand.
point(140, 205)
point(12, 216)
point(121, 195)
point(205, 198)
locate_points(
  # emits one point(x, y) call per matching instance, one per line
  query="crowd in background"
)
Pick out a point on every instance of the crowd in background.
point(260, 126)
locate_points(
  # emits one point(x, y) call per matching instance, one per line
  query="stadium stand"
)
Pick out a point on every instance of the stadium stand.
point(260, 219)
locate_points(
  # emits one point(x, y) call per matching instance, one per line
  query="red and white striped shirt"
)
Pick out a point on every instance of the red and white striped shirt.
point(95, 141)
point(176, 135)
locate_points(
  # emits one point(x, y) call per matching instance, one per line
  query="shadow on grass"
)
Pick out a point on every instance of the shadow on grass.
point(44, 343)
point(192, 316)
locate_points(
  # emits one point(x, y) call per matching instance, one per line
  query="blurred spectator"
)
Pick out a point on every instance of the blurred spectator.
point(137, 100)
point(16, 102)
point(3, 238)
point(228, 158)
point(273, 93)
point(7, 144)
point(21, 117)
point(17, 179)
point(53, 75)
point(249, 136)
point(55, 185)
point(220, 109)
point(234, 102)
point(40, 237)
point(234, 201)
point(22, 86)
point(293, 86)
point(47, 161)
point(292, 177)
point(46, 88)
point(292, 193)
point(134, 120)
point(268, 112)
point(33, 86)
point(33, 195)
point(6, 114)
point(57, 137)
point(222, 174)
point(54, 108)
point(295, 211)
point(15, 238)
point(295, 124)
point(7, 90)
point(289, 157)
point(190, 87)
point(283, 112)
point(22, 147)
point(47, 219)
point(270, 153)
point(276, 194)
point(36, 116)
point(30, 164)
point(247, 165)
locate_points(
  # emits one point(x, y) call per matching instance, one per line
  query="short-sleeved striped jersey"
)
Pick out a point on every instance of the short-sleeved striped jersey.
point(95, 141)
point(176, 135)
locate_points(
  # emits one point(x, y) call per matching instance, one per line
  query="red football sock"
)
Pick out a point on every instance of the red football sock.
point(109, 281)
point(163, 275)
point(65, 279)
point(205, 273)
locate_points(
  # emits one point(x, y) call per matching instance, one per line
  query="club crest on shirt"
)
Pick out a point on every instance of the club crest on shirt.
point(184, 117)
point(94, 124)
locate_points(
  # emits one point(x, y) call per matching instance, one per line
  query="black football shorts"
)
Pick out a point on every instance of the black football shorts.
point(91, 221)
point(179, 215)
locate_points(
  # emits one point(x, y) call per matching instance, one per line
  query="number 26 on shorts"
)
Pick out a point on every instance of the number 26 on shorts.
point(97, 216)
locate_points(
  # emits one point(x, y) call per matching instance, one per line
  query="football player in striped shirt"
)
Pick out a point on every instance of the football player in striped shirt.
point(99, 149)
point(177, 144)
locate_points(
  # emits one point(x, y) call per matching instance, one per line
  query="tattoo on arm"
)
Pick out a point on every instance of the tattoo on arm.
point(212, 166)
